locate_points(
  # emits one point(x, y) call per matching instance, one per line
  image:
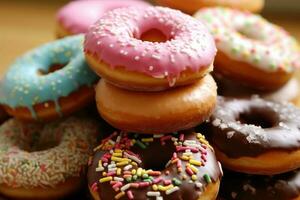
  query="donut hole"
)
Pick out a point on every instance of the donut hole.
point(153, 35)
point(38, 142)
point(265, 118)
point(156, 156)
point(53, 68)
point(249, 33)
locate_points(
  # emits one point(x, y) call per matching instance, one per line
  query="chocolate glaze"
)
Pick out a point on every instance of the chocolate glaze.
point(272, 126)
point(155, 157)
point(238, 186)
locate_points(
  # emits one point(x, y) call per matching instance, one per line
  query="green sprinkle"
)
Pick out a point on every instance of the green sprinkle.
point(128, 179)
point(140, 144)
point(207, 178)
point(145, 176)
point(134, 177)
point(176, 181)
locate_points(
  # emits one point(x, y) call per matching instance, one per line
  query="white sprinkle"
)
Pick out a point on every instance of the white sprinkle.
point(157, 57)
point(136, 58)
point(127, 167)
point(170, 191)
point(99, 169)
point(199, 185)
point(125, 187)
point(118, 179)
point(158, 135)
point(153, 194)
point(134, 158)
point(111, 45)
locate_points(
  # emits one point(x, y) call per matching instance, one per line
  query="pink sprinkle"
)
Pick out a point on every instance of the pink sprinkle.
point(94, 187)
point(110, 173)
point(144, 184)
point(167, 182)
point(189, 171)
point(179, 149)
point(157, 180)
point(181, 137)
point(174, 155)
point(130, 195)
point(117, 186)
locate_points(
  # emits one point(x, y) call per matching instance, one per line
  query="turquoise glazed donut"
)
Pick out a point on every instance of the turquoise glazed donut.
point(33, 89)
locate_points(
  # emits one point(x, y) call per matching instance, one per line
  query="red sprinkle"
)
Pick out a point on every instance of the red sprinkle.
point(130, 195)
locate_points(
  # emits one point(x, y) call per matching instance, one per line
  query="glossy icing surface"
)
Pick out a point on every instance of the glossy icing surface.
point(250, 38)
point(238, 186)
point(37, 155)
point(27, 81)
point(122, 166)
point(77, 16)
point(114, 40)
point(254, 126)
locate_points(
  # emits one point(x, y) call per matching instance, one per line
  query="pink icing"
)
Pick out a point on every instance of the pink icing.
point(114, 40)
point(77, 16)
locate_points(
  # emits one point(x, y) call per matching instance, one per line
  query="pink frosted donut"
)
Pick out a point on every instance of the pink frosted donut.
point(77, 16)
point(116, 49)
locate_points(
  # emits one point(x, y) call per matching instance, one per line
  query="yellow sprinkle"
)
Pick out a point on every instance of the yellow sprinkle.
point(118, 151)
point(120, 195)
point(199, 135)
point(193, 168)
point(119, 171)
point(154, 187)
point(103, 173)
point(139, 172)
point(122, 163)
point(117, 154)
point(195, 162)
point(165, 188)
point(194, 177)
point(185, 158)
point(105, 179)
point(97, 148)
point(133, 172)
point(117, 159)
point(147, 139)
point(134, 163)
point(100, 163)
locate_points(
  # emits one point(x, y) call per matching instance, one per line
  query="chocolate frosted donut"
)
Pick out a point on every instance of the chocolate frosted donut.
point(135, 166)
point(249, 134)
point(238, 186)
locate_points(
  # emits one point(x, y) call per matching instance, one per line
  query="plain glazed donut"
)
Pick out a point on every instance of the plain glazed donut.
point(264, 59)
point(249, 135)
point(238, 186)
point(191, 6)
point(77, 16)
point(157, 112)
point(35, 87)
point(114, 48)
point(44, 161)
point(124, 167)
point(290, 92)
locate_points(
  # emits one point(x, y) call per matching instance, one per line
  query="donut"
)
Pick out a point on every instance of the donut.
point(44, 161)
point(238, 186)
point(191, 6)
point(43, 83)
point(250, 135)
point(115, 49)
point(87, 13)
point(290, 92)
point(157, 112)
point(123, 167)
point(264, 59)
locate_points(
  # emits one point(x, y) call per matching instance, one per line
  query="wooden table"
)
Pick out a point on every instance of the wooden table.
point(26, 24)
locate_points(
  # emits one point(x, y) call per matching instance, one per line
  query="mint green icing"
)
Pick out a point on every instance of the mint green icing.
point(24, 86)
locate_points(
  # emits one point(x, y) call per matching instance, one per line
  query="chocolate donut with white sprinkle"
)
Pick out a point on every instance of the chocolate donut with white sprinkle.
point(248, 135)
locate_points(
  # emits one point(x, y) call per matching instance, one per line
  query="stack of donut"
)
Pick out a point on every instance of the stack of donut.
point(148, 71)
point(155, 87)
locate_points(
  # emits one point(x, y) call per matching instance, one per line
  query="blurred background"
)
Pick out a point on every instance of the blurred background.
point(25, 24)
